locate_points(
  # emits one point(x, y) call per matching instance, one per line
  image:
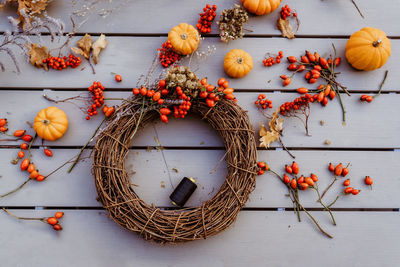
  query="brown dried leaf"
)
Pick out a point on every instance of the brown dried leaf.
point(99, 45)
point(285, 28)
point(276, 127)
point(37, 54)
point(84, 44)
point(31, 8)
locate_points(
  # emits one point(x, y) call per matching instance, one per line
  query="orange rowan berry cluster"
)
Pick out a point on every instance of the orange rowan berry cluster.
point(270, 59)
point(300, 103)
point(96, 89)
point(263, 102)
point(321, 93)
point(60, 63)
point(166, 55)
point(206, 18)
point(287, 12)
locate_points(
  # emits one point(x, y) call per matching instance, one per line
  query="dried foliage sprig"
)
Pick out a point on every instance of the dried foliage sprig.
point(231, 23)
point(23, 39)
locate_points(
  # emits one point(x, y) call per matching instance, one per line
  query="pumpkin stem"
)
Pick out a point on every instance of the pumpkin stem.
point(239, 60)
point(46, 122)
point(377, 43)
point(184, 36)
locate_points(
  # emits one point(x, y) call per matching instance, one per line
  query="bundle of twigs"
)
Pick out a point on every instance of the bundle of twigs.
point(126, 208)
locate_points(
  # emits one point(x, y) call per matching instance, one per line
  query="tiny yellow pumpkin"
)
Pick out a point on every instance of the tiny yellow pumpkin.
point(261, 7)
point(238, 63)
point(51, 123)
point(368, 49)
point(184, 39)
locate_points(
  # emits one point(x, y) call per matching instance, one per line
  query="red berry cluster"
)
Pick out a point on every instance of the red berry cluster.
point(301, 182)
point(155, 95)
point(262, 167)
point(97, 96)
point(263, 102)
point(59, 63)
point(270, 60)
point(206, 18)
point(298, 103)
point(54, 221)
point(212, 94)
point(167, 56)
point(181, 110)
point(287, 12)
point(366, 98)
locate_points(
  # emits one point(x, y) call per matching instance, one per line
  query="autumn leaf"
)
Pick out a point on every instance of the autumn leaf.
point(97, 46)
point(285, 27)
point(37, 54)
point(276, 128)
point(84, 46)
point(31, 8)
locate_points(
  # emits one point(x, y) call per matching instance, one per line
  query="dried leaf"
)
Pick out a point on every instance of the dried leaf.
point(285, 28)
point(276, 127)
point(84, 44)
point(99, 45)
point(37, 54)
point(31, 8)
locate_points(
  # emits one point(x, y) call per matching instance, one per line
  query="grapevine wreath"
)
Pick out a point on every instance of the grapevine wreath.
point(182, 91)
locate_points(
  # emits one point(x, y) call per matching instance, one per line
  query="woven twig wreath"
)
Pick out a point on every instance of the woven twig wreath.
point(126, 208)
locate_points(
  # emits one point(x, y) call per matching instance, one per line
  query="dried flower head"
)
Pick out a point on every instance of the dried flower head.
point(231, 23)
point(185, 78)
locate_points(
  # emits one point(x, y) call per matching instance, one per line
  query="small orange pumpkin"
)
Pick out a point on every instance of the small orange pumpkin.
point(261, 7)
point(184, 39)
point(51, 123)
point(368, 49)
point(238, 63)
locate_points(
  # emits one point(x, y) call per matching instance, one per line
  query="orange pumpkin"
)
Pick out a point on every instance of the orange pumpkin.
point(368, 49)
point(184, 39)
point(51, 123)
point(238, 63)
point(261, 7)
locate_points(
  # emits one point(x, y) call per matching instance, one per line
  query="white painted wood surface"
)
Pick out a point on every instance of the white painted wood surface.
point(258, 238)
point(322, 18)
point(148, 171)
point(261, 236)
point(132, 56)
point(375, 130)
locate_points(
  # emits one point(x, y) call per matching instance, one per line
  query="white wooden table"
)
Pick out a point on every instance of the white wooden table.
point(265, 234)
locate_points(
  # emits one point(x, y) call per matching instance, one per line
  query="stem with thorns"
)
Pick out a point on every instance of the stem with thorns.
point(24, 218)
point(304, 209)
point(381, 86)
point(323, 205)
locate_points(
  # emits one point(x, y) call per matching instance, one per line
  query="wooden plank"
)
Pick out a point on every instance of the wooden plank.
point(267, 237)
point(358, 132)
point(150, 169)
point(132, 56)
point(334, 18)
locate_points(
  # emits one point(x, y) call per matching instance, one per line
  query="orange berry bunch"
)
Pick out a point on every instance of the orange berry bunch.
point(212, 94)
point(3, 124)
point(206, 18)
point(60, 63)
point(108, 111)
point(300, 103)
point(166, 55)
point(96, 89)
point(54, 221)
point(270, 59)
point(287, 12)
point(262, 167)
point(286, 80)
point(302, 183)
point(338, 170)
point(263, 102)
point(366, 98)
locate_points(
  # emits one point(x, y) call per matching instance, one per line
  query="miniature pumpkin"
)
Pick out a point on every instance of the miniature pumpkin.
point(238, 63)
point(50, 123)
point(368, 49)
point(261, 7)
point(184, 39)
